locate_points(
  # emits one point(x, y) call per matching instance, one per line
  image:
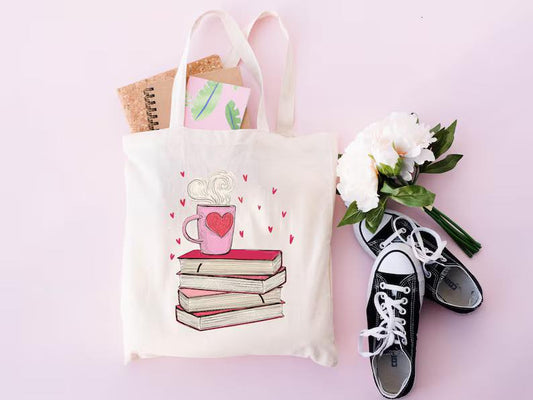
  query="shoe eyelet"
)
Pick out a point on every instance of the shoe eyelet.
point(403, 312)
point(382, 285)
point(382, 245)
point(405, 301)
point(428, 275)
point(404, 342)
point(402, 321)
point(443, 259)
point(407, 290)
point(403, 230)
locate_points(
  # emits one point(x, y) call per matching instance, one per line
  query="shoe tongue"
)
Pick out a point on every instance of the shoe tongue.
point(393, 350)
point(393, 279)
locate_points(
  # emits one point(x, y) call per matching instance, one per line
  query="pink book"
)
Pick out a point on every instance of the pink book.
point(236, 262)
point(193, 300)
point(214, 105)
point(206, 320)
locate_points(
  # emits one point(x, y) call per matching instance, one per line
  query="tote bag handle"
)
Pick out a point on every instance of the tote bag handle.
point(286, 96)
point(240, 46)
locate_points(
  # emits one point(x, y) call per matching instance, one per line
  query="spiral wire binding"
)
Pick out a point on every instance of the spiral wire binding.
point(151, 115)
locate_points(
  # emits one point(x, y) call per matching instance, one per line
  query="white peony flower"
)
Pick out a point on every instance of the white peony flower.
point(410, 140)
point(358, 175)
point(382, 144)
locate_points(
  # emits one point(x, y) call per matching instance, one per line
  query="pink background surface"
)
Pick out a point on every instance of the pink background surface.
point(63, 192)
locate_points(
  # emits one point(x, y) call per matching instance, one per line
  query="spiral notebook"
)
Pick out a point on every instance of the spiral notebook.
point(134, 97)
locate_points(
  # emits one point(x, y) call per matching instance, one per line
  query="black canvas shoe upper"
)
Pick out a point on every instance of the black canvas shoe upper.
point(448, 281)
point(395, 294)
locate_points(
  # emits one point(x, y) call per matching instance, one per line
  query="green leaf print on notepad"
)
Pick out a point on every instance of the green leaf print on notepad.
point(232, 115)
point(206, 100)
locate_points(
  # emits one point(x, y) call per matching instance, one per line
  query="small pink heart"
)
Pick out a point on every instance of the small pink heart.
point(245, 177)
point(171, 215)
point(241, 233)
point(178, 240)
point(182, 173)
point(172, 256)
point(258, 207)
point(274, 190)
point(241, 199)
point(182, 202)
point(291, 238)
point(283, 214)
point(270, 229)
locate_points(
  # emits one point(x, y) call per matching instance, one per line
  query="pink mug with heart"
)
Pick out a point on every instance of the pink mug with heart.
point(215, 228)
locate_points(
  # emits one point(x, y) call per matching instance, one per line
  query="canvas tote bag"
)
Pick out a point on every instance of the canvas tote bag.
point(227, 235)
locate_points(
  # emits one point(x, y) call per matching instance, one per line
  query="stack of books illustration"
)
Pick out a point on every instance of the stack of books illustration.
point(240, 287)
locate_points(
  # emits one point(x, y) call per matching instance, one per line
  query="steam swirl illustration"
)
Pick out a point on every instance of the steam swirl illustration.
point(216, 189)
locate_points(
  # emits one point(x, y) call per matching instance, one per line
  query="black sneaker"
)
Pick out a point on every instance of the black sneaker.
point(395, 294)
point(448, 281)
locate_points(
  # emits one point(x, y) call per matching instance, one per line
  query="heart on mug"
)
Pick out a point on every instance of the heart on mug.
point(220, 224)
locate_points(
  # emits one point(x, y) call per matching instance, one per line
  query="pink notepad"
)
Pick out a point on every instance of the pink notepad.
point(214, 105)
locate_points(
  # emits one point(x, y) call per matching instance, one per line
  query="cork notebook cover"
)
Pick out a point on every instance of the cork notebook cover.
point(133, 96)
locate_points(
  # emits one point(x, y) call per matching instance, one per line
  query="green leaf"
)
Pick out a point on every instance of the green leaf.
point(206, 100)
point(374, 216)
point(388, 189)
point(232, 115)
point(413, 196)
point(390, 171)
point(452, 127)
point(444, 141)
point(352, 216)
point(444, 165)
point(436, 128)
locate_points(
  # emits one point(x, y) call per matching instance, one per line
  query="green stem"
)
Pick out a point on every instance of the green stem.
point(457, 226)
point(466, 242)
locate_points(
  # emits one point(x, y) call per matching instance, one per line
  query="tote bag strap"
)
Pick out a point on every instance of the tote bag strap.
point(286, 97)
point(241, 47)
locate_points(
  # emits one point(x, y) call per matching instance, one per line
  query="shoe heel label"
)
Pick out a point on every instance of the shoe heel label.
point(450, 283)
point(393, 360)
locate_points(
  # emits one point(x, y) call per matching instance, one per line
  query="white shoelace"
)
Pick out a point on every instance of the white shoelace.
point(416, 242)
point(391, 330)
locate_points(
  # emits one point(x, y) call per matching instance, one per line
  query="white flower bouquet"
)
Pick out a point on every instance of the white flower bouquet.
point(383, 163)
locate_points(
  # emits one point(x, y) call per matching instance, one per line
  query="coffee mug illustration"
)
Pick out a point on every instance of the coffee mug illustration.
point(216, 224)
point(215, 217)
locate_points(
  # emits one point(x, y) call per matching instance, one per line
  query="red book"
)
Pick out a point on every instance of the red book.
point(236, 262)
point(204, 320)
